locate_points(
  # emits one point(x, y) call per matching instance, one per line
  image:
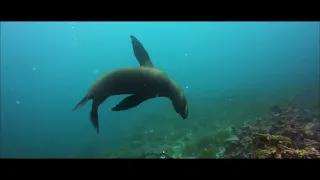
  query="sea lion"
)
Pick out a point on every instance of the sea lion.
point(141, 83)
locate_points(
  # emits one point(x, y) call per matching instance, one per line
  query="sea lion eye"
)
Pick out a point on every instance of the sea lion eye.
point(181, 95)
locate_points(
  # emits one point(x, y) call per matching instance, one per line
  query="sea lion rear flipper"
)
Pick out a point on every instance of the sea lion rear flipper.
point(82, 102)
point(94, 116)
point(140, 52)
point(130, 102)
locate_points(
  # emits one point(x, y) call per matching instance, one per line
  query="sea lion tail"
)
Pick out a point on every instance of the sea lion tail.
point(82, 102)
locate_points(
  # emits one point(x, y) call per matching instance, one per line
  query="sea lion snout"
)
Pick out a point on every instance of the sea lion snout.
point(181, 106)
point(184, 114)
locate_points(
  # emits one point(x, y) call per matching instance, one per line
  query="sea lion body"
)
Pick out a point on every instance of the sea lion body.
point(131, 80)
point(140, 83)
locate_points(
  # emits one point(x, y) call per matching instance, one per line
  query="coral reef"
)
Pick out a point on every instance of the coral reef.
point(280, 147)
point(289, 132)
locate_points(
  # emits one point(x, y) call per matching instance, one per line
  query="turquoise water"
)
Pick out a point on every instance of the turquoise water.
point(47, 67)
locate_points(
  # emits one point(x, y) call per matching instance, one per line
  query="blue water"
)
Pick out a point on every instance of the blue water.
point(47, 67)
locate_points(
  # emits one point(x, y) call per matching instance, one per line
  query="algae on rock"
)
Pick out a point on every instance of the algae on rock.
point(280, 147)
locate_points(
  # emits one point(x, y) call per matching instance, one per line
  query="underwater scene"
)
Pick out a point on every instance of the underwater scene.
point(218, 90)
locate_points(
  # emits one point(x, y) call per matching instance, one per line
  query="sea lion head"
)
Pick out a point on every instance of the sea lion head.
point(181, 106)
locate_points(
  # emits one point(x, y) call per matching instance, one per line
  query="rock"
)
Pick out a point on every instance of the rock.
point(280, 147)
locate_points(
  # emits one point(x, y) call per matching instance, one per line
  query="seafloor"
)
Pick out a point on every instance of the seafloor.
point(233, 124)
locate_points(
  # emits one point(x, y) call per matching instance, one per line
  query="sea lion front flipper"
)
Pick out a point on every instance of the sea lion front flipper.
point(130, 102)
point(94, 116)
point(140, 52)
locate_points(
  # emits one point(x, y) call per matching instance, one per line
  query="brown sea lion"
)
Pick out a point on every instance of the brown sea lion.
point(141, 83)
